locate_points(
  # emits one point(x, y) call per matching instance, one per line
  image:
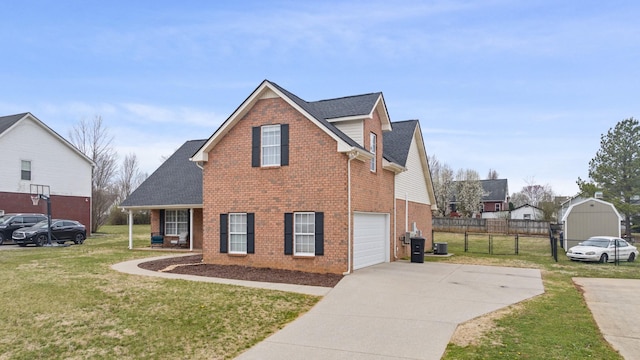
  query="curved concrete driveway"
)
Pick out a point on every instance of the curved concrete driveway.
point(396, 310)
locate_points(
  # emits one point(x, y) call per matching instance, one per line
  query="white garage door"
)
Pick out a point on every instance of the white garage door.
point(370, 239)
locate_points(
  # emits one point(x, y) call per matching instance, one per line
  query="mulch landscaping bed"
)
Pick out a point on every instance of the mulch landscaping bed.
point(192, 265)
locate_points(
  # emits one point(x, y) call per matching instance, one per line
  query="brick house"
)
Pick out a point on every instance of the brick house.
point(325, 186)
point(33, 155)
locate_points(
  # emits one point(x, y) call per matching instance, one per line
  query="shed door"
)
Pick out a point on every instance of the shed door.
point(370, 239)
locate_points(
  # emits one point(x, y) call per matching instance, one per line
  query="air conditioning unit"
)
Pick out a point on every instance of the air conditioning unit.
point(440, 249)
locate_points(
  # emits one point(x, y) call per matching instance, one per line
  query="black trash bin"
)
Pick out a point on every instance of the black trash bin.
point(417, 249)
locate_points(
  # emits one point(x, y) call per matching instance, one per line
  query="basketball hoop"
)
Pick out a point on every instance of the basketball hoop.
point(35, 199)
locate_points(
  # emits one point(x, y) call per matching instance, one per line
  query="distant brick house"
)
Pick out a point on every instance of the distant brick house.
point(325, 186)
point(34, 154)
point(494, 201)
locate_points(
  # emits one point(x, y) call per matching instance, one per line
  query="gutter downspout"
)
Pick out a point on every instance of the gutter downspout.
point(395, 235)
point(406, 212)
point(130, 229)
point(352, 156)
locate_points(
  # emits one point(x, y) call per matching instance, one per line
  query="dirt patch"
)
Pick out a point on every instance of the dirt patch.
point(192, 265)
point(472, 331)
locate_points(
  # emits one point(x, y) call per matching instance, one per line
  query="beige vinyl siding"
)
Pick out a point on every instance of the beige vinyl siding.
point(590, 218)
point(353, 129)
point(412, 182)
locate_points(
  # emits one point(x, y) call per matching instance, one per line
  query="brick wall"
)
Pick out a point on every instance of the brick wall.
point(315, 180)
point(373, 191)
point(421, 215)
point(62, 207)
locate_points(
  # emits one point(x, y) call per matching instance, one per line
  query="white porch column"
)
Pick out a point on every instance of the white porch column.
point(130, 229)
point(190, 229)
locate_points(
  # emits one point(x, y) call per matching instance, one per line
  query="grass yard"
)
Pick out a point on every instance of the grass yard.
point(66, 303)
point(555, 325)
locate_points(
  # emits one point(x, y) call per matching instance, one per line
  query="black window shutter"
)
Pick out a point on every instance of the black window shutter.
point(162, 222)
point(251, 233)
point(284, 144)
point(223, 233)
point(319, 233)
point(255, 146)
point(288, 233)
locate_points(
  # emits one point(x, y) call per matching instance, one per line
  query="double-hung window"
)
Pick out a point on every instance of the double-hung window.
point(372, 149)
point(25, 170)
point(304, 225)
point(304, 234)
point(238, 233)
point(176, 222)
point(270, 140)
point(270, 146)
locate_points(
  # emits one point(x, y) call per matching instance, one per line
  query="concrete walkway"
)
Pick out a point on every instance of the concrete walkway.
point(396, 310)
point(614, 305)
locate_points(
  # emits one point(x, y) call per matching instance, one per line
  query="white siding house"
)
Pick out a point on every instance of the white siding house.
point(526, 212)
point(35, 154)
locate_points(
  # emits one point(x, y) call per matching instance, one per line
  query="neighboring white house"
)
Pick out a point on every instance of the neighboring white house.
point(527, 212)
point(32, 153)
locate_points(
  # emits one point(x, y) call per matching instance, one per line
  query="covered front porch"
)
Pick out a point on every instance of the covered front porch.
point(172, 228)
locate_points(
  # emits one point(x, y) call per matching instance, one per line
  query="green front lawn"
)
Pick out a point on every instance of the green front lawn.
point(66, 303)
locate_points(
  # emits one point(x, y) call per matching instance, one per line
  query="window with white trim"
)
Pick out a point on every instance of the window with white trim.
point(176, 222)
point(25, 170)
point(238, 233)
point(498, 207)
point(304, 238)
point(372, 149)
point(270, 142)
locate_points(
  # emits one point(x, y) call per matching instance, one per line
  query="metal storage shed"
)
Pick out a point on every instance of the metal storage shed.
point(590, 217)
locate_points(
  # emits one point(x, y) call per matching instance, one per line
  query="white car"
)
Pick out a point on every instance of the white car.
point(603, 249)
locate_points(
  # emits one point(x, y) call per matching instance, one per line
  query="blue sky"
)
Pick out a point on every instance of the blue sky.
point(523, 87)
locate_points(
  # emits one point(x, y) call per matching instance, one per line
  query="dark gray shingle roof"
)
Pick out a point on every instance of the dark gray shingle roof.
point(494, 190)
point(8, 121)
point(396, 143)
point(177, 181)
point(328, 109)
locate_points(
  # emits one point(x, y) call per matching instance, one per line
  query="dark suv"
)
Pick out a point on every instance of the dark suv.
point(11, 222)
point(61, 231)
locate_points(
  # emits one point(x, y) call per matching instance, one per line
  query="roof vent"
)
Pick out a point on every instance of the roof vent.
point(598, 195)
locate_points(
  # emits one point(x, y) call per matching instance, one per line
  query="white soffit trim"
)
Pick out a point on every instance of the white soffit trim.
point(391, 166)
point(380, 105)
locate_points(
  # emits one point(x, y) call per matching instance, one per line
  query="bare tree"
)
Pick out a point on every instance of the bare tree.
point(492, 175)
point(443, 184)
point(129, 177)
point(94, 140)
point(468, 192)
point(535, 193)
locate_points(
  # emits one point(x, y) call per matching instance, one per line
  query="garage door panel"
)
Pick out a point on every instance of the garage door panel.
point(370, 239)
